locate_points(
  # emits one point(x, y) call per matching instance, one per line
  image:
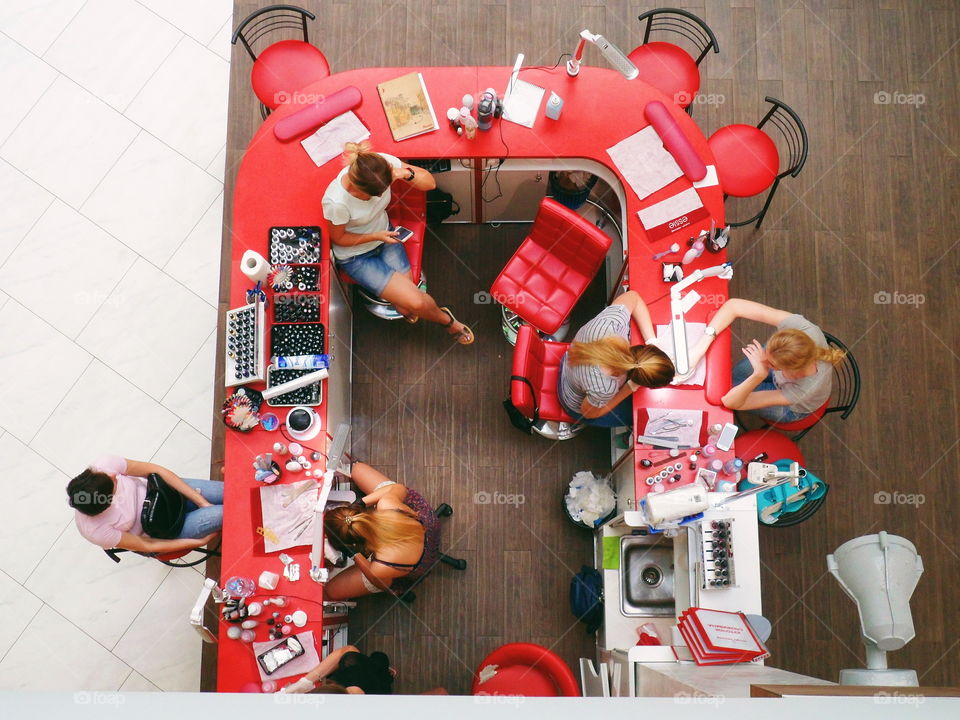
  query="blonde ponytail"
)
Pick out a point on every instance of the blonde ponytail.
point(831, 355)
point(371, 530)
point(368, 171)
point(645, 365)
point(793, 349)
point(351, 150)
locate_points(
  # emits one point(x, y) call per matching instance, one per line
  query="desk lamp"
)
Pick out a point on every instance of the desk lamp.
point(614, 55)
point(879, 573)
point(678, 307)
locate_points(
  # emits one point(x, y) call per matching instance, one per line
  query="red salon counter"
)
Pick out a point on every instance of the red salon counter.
point(277, 184)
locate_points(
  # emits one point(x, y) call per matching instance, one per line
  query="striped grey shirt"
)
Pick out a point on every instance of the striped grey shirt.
point(588, 381)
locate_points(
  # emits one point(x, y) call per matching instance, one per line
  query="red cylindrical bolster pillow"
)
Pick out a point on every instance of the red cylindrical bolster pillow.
point(674, 140)
point(313, 116)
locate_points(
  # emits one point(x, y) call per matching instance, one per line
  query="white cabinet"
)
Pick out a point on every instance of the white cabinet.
point(594, 682)
point(459, 182)
point(512, 192)
point(623, 478)
point(340, 350)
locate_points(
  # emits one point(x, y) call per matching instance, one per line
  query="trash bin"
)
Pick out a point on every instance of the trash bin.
point(571, 187)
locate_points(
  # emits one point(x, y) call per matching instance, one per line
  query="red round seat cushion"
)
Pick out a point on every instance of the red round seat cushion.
point(285, 67)
point(776, 445)
point(747, 159)
point(519, 680)
point(670, 69)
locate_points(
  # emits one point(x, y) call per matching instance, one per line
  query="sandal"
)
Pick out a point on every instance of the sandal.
point(465, 336)
point(412, 319)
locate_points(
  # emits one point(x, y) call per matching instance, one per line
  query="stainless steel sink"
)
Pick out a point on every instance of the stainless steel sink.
point(646, 576)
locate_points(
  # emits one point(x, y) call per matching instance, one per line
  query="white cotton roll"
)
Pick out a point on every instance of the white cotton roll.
point(254, 266)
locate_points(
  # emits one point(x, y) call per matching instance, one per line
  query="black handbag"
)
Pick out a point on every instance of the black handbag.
point(164, 509)
point(440, 206)
point(517, 418)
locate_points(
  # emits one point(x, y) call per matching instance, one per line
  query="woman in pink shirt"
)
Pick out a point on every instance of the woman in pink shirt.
point(108, 497)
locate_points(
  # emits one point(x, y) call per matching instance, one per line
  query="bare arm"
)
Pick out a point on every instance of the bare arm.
point(340, 236)
point(731, 310)
point(638, 311)
point(742, 396)
point(142, 543)
point(590, 411)
point(142, 469)
point(367, 478)
point(422, 179)
point(329, 664)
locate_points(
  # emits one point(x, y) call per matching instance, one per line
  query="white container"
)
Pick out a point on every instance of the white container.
point(554, 106)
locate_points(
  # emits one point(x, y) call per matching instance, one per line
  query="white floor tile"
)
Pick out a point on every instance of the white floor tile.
point(152, 198)
point(221, 41)
point(64, 268)
point(36, 24)
point(200, 20)
point(36, 370)
point(18, 606)
point(216, 166)
point(27, 536)
point(191, 397)
point(186, 452)
point(111, 48)
point(81, 583)
point(185, 102)
point(23, 79)
point(68, 141)
point(149, 328)
point(196, 262)
point(23, 202)
point(103, 413)
point(138, 683)
point(53, 650)
point(160, 644)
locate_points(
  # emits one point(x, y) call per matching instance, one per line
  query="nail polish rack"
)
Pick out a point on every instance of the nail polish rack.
point(296, 307)
point(245, 344)
point(294, 245)
point(310, 395)
point(717, 546)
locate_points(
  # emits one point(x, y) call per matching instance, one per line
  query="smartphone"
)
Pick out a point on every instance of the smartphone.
point(279, 655)
point(403, 234)
point(727, 434)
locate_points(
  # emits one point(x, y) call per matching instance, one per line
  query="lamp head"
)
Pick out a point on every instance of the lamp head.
point(614, 55)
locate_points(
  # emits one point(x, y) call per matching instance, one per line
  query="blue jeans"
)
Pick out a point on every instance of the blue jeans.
point(200, 522)
point(775, 413)
point(374, 268)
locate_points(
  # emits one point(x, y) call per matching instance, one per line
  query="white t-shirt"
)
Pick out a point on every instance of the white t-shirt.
point(360, 216)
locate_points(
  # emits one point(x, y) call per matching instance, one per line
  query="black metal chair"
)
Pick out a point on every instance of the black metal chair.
point(283, 67)
point(667, 66)
point(846, 392)
point(173, 559)
point(748, 161)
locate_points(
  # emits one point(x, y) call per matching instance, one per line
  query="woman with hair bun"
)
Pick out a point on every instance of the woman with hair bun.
point(365, 245)
point(393, 530)
point(601, 370)
point(786, 380)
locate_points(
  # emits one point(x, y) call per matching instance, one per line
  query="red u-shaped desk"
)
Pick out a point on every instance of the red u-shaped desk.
point(278, 184)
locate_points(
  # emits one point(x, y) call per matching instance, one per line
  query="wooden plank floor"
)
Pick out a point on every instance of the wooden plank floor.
point(874, 211)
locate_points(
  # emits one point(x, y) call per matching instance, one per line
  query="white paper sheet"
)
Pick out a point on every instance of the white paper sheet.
point(664, 422)
point(673, 207)
point(523, 103)
point(644, 163)
point(664, 341)
point(292, 525)
point(327, 142)
point(709, 179)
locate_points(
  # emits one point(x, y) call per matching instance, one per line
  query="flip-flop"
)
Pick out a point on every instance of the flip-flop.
point(412, 319)
point(465, 336)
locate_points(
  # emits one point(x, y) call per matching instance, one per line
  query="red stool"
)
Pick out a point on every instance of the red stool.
point(171, 558)
point(552, 268)
point(525, 670)
point(533, 384)
point(747, 158)
point(776, 445)
point(285, 66)
point(668, 67)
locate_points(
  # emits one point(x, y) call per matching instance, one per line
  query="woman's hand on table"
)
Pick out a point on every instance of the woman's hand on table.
point(757, 357)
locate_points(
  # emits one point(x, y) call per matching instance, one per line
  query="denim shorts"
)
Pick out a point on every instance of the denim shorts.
point(374, 268)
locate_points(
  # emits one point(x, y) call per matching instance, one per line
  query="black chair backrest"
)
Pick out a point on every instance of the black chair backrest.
point(270, 19)
point(683, 23)
point(790, 127)
point(847, 373)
